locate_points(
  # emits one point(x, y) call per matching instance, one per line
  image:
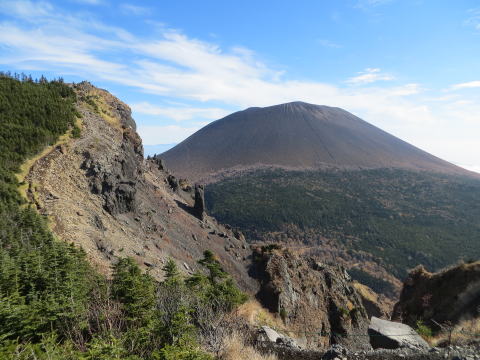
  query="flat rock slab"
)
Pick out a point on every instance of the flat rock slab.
point(270, 334)
point(392, 335)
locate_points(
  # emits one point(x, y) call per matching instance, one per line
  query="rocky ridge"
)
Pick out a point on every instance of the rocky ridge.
point(101, 194)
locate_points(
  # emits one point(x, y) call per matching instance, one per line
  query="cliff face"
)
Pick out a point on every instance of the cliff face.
point(101, 194)
point(448, 296)
point(317, 302)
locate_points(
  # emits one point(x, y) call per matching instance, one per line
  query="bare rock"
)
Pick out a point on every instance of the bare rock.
point(322, 303)
point(392, 335)
point(199, 206)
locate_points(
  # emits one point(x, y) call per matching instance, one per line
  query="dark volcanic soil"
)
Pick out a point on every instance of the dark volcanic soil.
point(297, 135)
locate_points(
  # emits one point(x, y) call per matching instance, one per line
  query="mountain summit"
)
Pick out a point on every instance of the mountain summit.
point(296, 135)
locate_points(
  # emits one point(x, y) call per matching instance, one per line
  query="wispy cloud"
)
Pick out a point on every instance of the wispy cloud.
point(130, 9)
point(153, 135)
point(364, 4)
point(179, 113)
point(90, 2)
point(473, 19)
point(329, 44)
point(368, 76)
point(466, 85)
point(26, 9)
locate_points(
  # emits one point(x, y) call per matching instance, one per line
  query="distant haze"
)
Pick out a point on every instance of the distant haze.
point(297, 135)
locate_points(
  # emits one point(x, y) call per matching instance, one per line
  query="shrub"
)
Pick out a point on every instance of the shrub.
point(423, 329)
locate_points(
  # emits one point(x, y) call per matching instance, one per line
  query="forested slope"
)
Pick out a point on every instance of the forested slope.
point(403, 218)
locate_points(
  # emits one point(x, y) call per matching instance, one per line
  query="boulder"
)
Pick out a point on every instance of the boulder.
point(267, 334)
point(392, 335)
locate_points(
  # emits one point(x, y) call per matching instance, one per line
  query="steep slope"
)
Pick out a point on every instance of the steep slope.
point(295, 135)
point(100, 193)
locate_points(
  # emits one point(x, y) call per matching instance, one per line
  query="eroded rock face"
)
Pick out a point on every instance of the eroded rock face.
point(115, 178)
point(199, 206)
point(317, 301)
point(439, 298)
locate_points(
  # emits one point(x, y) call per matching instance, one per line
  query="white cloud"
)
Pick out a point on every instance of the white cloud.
point(467, 85)
point(130, 9)
point(366, 4)
point(329, 44)
point(179, 113)
point(374, 2)
point(90, 2)
point(153, 135)
point(368, 76)
point(25, 8)
point(474, 18)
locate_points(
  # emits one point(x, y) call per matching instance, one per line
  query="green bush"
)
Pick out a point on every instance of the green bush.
point(423, 329)
point(178, 352)
point(76, 132)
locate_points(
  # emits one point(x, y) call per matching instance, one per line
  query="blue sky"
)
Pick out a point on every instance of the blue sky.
point(410, 67)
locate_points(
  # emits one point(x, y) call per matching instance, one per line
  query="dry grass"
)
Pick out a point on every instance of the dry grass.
point(463, 333)
point(366, 292)
point(235, 349)
point(101, 99)
point(27, 164)
point(256, 315)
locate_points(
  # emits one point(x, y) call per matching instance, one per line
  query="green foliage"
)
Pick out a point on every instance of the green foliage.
point(423, 329)
point(178, 352)
point(76, 132)
point(107, 347)
point(215, 271)
point(217, 286)
point(172, 275)
point(32, 115)
point(44, 284)
point(401, 217)
point(134, 290)
point(47, 349)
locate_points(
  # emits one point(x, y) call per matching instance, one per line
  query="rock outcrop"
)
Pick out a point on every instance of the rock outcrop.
point(386, 334)
point(449, 296)
point(317, 302)
point(199, 206)
point(101, 194)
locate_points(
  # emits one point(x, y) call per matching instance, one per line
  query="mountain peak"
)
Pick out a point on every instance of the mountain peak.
point(295, 135)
